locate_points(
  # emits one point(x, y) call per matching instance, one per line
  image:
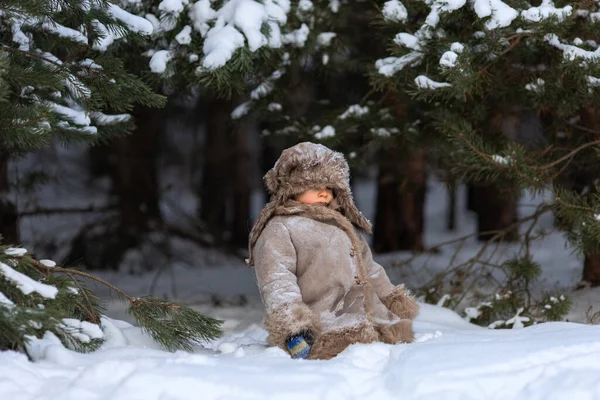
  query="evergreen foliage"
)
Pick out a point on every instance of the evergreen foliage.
point(61, 76)
point(507, 92)
point(478, 72)
point(514, 300)
point(33, 301)
point(173, 326)
point(38, 296)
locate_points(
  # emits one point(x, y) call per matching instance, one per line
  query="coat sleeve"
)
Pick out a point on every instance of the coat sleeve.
point(397, 299)
point(275, 267)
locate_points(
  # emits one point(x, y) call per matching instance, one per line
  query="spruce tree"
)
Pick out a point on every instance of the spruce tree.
point(507, 92)
point(37, 296)
point(61, 78)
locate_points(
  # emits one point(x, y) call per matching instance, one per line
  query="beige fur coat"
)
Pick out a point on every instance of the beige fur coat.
point(314, 269)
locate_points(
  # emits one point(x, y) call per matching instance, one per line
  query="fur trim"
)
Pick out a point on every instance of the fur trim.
point(402, 303)
point(332, 343)
point(307, 165)
point(329, 215)
point(289, 320)
point(302, 167)
point(399, 332)
point(259, 225)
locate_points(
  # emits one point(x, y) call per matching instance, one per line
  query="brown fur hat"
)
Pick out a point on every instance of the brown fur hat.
point(300, 168)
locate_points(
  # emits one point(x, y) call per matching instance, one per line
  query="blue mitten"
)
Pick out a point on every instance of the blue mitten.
point(299, 345)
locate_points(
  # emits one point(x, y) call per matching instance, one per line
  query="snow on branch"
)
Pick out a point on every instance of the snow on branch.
point(5, 301)
point(19, 20)
point(355, 110)
point(441, 6)
point(326, 132)
point(104, 119)
point(70, 101)
point(536, 86)
point(159, 61)
point(572, 52)
point(26, 284)
point(424, 82)
point(496, 15)
point(394, 11)
point(501, 15)
point(82, 330)
point(133, 22)
point(407, 40)
point(78, 117)
point(222, 28)
point(391, 65)
point(238, 22)
point(546, 10)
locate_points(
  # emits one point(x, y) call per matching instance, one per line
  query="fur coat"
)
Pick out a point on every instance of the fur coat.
point(314, 269)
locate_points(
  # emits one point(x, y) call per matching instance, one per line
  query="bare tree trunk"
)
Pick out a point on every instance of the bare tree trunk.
point(591, 269)
point(216, 172)
point(9, 220)
point(495, 203)
point(591, 264)
point(400, 202)
point(496, 209)
point(242, 186)
point(452, 189)
point(470, 200)
point(136, 178)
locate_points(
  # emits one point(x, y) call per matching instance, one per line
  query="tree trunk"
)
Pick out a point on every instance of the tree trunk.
point(496, 209)
point(470, 203)
point(242, 185)
point(131, 164)
point(9, 220)
point(452, 199)
point(216, 172)
point(401, 190)
point(591, 264)
point(135, 178)
point(591, 269)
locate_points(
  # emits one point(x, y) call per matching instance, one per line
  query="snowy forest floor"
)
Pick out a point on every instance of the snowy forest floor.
point(450, 359)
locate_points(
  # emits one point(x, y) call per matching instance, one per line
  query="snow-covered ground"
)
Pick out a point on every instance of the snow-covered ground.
point(450, 359)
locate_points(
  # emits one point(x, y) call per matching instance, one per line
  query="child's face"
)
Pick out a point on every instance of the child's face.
point(314, 196)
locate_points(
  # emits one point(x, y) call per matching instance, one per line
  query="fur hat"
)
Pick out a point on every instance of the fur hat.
point(303, 167)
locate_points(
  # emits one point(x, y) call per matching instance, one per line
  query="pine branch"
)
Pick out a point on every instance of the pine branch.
point(481, 154)
point(34, 55)
point(572, 154)
point(174, 326)
point(574, 206)
point(68, 271)
point(90, 304)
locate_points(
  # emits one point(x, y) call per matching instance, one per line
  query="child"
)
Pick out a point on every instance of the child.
point(317, 278)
